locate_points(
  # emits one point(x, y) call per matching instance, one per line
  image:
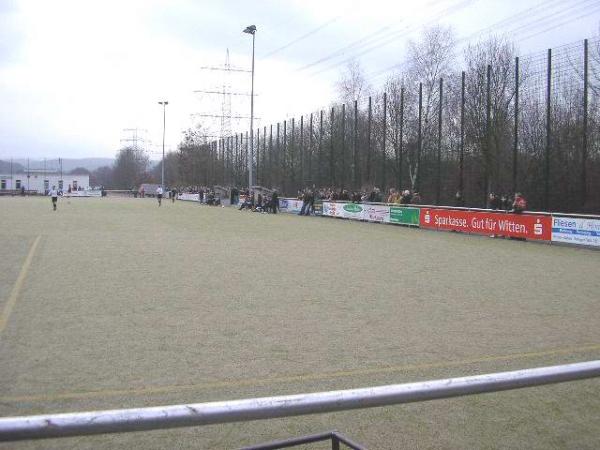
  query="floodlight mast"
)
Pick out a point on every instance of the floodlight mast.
point(251, 29)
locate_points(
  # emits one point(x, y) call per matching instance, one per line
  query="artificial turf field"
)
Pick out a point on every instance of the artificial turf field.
point(115, 303)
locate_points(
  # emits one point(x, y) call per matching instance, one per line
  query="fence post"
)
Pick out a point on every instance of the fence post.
point(270, 173)
point(383, 141)
point(419, 139)
point(310, 150)
point(292, 154)
point(355, 160)
point(302, 151)
point(278, 160)
point(257, 155)
point(516, 133)
point(284, 153)
point(264, 155)
point(320, 155)
point(488, 135)
point(439, 145)
point(369, 120)
point(548, 132)
point(343, 152)
point(331, 166)
point(461, 164)
point(401, 148)
point(584, 144)
point(245, 156)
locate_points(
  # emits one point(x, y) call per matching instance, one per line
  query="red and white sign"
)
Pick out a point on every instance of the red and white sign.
point(526, 226)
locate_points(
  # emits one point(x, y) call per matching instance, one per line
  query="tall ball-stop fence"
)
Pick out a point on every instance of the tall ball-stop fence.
point(529, 124)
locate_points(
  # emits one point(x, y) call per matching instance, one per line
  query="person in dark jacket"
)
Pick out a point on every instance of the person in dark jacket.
point(406, 197)
point(274, 202)
point(494, 201)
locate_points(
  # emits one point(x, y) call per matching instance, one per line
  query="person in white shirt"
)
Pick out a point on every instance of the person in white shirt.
point(159, 194)
point(54, 194)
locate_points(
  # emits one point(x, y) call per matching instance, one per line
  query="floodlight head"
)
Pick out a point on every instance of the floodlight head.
point(250, 29)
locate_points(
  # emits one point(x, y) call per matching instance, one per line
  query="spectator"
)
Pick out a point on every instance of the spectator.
point(458, 199)
point(274, 202)
point(505, 201)
point(519, 204)
point(416, 198)
point(494, 201)
point(375, 196)
point(406, 197)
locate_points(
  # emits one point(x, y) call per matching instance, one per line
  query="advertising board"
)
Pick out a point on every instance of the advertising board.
point(404, 215)
point(188, 197)
point(318, 208)
point(576, 231)
point(376, 213)
point(290, 205)
point(527, 226)
point(85, 193)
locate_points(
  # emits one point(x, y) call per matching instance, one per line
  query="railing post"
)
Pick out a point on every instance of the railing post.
point(335, 442)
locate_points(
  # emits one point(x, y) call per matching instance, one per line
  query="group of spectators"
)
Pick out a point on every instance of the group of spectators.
point(267, 203)
point(372, 196)
point(516, 204)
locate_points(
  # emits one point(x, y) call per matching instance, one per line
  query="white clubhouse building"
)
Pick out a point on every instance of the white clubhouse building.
point(42, 181)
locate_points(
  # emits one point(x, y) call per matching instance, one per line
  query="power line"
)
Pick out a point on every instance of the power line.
point(394, 36)
point(551, 16)
point(223, 93)
point(376, 36)
point(304, 36)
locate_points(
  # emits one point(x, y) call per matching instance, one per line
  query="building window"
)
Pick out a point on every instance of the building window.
point(2, 184)
point(17, 184)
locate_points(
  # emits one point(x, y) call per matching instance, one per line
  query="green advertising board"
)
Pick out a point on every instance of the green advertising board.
point(405, 216)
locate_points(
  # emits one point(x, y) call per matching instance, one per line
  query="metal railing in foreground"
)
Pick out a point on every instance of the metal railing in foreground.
point(333, 436)
point(160, 417)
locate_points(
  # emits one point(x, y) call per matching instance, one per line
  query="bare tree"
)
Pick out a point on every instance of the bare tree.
point(429, 59)
point(353, 84)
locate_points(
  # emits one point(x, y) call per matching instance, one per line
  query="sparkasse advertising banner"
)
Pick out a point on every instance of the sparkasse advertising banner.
point(576, 231)
point(526, 226)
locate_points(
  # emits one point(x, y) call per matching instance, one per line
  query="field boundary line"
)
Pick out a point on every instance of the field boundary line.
point(292, 378)
point(16, 290)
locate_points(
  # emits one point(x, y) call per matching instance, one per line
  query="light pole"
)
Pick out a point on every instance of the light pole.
point(162, 176)
point(251, 30)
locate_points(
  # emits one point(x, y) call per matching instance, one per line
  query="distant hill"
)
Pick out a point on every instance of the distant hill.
point(5, 167)
point(68, 164)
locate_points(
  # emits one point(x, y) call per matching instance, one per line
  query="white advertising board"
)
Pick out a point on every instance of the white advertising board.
point(88, 193)
point(188, 197)
point(290, 205)
point(576, 231)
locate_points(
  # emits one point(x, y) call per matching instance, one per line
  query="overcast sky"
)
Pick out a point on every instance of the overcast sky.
point(74, 73)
